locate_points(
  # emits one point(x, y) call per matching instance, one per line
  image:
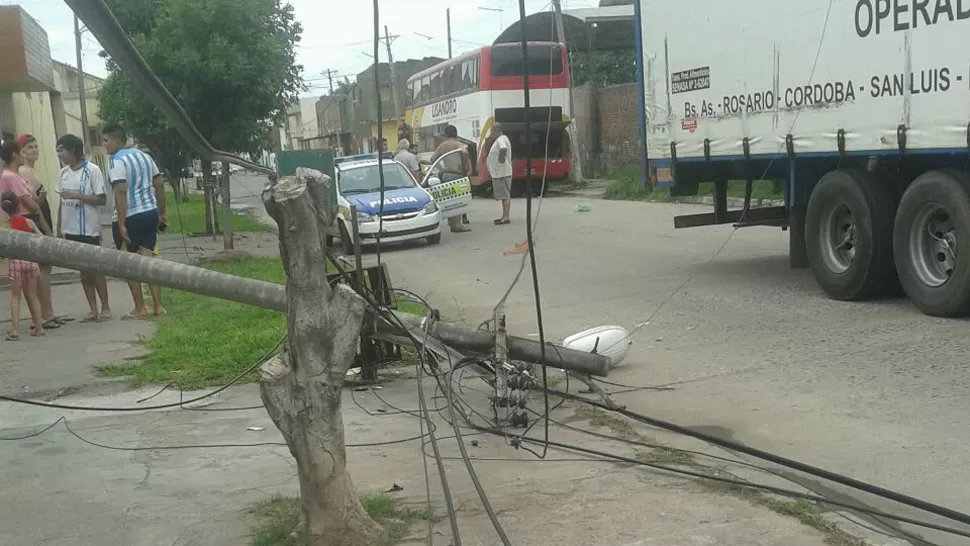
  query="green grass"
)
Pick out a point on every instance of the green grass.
point(206, 341)
point(278, 517)
point(189, 217)
point(761, 189)
point(625, 185)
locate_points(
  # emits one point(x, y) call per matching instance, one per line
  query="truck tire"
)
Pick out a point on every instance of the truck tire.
point(848, 236)
point(931, 243)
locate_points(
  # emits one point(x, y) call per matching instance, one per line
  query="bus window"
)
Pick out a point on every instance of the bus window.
point(426, 89)
point(435, 85)
point(544, 60)
point(466, 74)
point(446, 82)
point(409, 94)
point(416, 91)
point(475, 62)
point(455, 78)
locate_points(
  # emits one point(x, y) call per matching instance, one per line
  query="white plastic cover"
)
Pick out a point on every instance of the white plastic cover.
point(610, 341)
point(762, 69)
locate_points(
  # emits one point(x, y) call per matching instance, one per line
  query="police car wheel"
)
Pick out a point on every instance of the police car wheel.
point(434, 239)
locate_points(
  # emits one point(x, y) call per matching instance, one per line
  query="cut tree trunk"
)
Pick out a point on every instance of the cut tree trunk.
point(302, 387)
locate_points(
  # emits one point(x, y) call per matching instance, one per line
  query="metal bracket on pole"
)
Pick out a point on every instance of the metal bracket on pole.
point(368, 349)
point(500, 360)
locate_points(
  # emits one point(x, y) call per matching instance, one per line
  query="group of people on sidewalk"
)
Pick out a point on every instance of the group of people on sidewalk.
point(139, 214)
point(498, 162)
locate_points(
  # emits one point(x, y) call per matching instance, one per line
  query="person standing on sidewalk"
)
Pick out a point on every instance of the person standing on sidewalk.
point(30, 154)
point(11, 181)
point(139, 195)
point(23, 274)
point(82, 191)
point(499, 163)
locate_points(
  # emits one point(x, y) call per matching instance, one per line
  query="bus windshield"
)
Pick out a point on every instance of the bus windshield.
point(544, 60)
point(367, 180)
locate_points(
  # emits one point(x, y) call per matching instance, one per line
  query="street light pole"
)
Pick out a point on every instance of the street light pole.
point(448, 23)
point(390, 66)
point(81, 91)
point(576, 165)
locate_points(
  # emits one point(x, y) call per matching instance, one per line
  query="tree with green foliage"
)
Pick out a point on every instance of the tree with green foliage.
point(230, 63)
point(603, 68)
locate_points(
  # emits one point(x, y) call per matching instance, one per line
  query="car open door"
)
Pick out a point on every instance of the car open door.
point(451, 191)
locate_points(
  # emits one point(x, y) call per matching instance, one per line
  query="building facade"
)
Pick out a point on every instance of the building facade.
point(367, 97)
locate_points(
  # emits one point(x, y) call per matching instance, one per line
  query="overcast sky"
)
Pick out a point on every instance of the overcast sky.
point(334, 39)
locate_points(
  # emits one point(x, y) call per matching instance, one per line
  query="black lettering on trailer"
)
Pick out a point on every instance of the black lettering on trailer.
point(934, 80)
point(819, 94)
point(749, 102)
point(694, 79)
point(873, 17)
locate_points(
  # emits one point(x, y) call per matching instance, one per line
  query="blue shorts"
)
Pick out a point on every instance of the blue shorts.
point(142, 231)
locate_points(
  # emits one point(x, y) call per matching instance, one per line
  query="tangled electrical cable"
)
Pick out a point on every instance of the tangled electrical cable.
point(454, 400)
point(854, 507)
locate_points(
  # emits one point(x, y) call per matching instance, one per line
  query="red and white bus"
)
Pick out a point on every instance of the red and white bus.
point(484, 86)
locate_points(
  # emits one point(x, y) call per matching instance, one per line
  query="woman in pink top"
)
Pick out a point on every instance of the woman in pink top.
point(23, 274)
point(11, 181)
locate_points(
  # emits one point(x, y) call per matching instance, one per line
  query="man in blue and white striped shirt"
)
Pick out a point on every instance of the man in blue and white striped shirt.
point(139, 195)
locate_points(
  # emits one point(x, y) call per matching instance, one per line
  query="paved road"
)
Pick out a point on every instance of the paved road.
point(875, 390)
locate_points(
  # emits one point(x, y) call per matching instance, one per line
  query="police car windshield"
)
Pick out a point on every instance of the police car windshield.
point(367, 180)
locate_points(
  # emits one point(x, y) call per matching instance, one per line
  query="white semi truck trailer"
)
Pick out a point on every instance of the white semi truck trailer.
point(861, 107)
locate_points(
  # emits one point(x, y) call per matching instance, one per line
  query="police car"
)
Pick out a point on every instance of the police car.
point(409, 212)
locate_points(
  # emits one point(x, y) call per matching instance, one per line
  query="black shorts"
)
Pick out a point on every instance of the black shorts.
point(142, 231)
point(45, 209)
point(35, 218)
point(86, 239)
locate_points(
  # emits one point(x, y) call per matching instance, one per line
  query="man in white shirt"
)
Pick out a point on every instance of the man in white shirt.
point(82, 190)
point(499, 164)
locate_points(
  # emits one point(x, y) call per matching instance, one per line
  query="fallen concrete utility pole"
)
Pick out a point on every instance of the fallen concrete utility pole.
point(526, 350)
point(125, 265)
point(134, 267)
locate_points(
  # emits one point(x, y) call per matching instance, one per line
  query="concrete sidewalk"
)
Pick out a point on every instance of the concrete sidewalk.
point(65, 358)
point(141, 490)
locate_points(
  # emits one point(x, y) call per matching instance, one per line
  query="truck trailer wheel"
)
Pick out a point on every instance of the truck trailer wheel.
point(848, 236)
point(931, 241)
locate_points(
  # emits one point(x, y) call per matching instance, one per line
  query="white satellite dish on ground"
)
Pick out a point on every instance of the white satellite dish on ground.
point(610, 341)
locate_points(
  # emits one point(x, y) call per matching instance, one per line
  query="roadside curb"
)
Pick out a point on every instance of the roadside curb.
point(97, 388)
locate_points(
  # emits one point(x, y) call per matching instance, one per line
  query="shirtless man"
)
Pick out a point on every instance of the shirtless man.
point(454, 167)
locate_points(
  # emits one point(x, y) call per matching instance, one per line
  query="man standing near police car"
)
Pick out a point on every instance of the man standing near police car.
point(499, 163)
point(454, 167)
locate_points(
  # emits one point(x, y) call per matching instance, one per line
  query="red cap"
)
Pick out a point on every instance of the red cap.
point(22, 139)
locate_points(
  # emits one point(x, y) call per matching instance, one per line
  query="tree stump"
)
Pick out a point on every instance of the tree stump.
point(302, 387)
